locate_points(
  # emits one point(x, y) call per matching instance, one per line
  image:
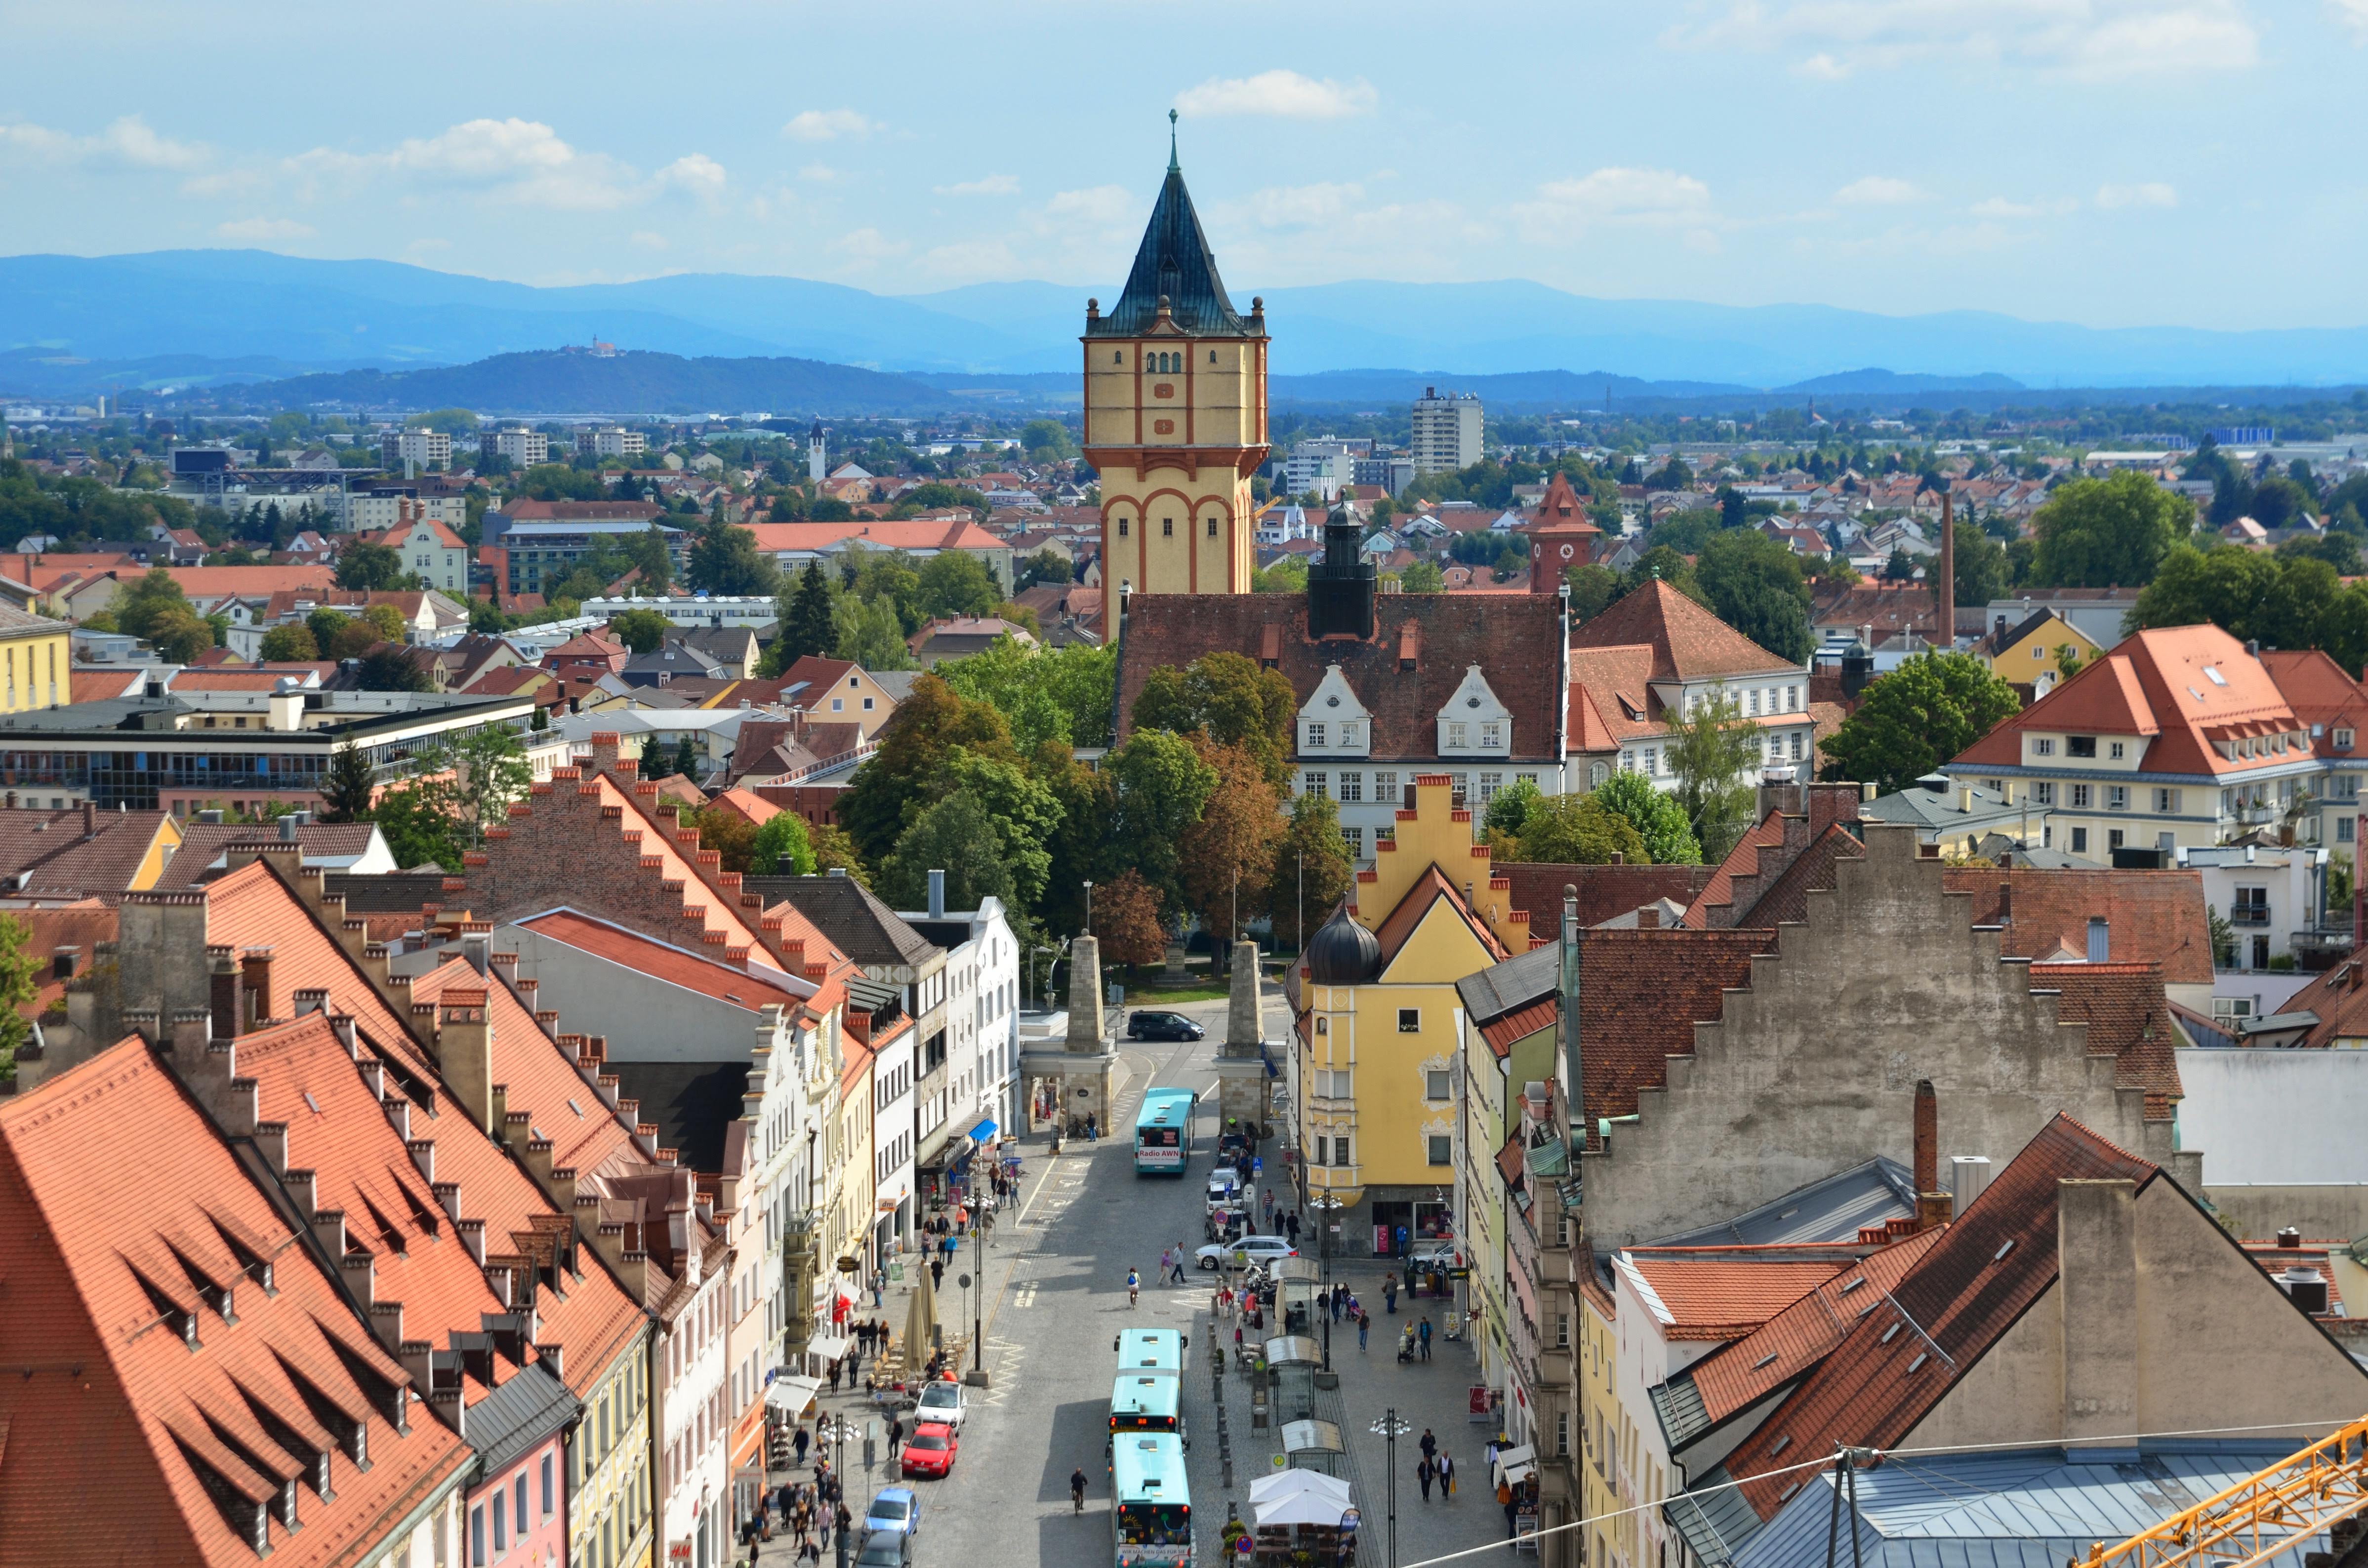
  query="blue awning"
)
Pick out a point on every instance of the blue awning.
point(981, 1132)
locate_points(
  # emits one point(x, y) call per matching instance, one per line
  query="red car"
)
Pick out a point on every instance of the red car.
point(931, 1449)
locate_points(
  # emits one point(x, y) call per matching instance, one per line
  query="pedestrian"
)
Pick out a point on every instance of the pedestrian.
point(854, 1365)
point(1423, 1335)
point(801, 1440)
point(1167, 1264)
point(1092, 1133)
point(1291, 1222)
point(1402, 1241)
point(1505, 1498)
point(842, 1518)
point(835, 1368)
point(1237, 1341)
point(879, 1288)
point(1179, 1263)
point(1265, 1206)
point(1446, 1478)
point(895, 1435)
point(1390, 1294)
point(1363, 1323)
point(1424, 1471)
point(937, 1271)
point(1429, 1445)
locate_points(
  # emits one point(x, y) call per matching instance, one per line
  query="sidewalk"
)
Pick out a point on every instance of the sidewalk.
point(1431, 1394)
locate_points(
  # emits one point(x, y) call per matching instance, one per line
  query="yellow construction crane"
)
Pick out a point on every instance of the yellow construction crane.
point(2261, 1516)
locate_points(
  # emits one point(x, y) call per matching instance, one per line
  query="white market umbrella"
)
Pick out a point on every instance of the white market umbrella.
point(1285, 1484)
point(1301, 1509)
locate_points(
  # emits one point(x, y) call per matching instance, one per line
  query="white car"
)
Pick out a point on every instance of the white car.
point(940, 1401)
point(1224, 1191)
point(1250, 1249)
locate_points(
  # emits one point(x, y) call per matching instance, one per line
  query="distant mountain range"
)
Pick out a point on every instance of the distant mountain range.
point(162, 316)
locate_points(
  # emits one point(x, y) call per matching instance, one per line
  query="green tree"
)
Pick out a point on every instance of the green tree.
point(372, 566)
point(1081, 844)
point(1312, 870)
point(1062, 693)
point(1228, 698)
point(686, 757)
point(643, 630)
point(2096, 533)
point(415, 817)
point(2338, 548)
point(325, 624)
point(180, 636)
point(482, 773)
point(1754, 585)
point(1573, 830)
point(1656, 815)
point(1423, 577)
point(1288, 575)
point(2284, 601)
point(1508, 812)
point(1160, 783)
point(140, 603)
point(392, 669)
point(386, 621)
point(916, 753)
point(782, 848)
point(1663, 564)
point(1983, 571)
point(19, 967)
point(725, 560)
point(955, 583)
point(1713, 748)
point(1923, 714)
point(867, 633)
point(351, 787)
point(288, 644)
point(1046, 441)
point(1592, 589)
point(808, 616)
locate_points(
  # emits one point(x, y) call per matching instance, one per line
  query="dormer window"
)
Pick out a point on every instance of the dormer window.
point(1348, 734)
point(1316, 735)
point(1492, 734)
point(2343, 740)
point(1458, 734)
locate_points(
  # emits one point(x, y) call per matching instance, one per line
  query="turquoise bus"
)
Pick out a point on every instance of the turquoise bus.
point(1151, 1504)
point(1163, 1132)
point(1147, 1402)
point(1151, 1350)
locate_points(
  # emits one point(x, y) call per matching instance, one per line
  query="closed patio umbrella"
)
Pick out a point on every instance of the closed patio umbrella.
point(920, 1321)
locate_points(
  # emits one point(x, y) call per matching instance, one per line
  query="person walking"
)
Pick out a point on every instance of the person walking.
point(1390, 1294)
point(1505, 1499)
point(1179, 1263)
point(895, 1435)
point(1167, 1264)
point(802, 1439)
point(842, 1518)
point(837, 1368)
point(1429, 1445)
point(1422, 1336)
point(1133, 1285)
point(1291, 1222)
point(1446, 1466)
point(1364, 1324)
point(879, 1288)
point(938, 1271)
point(1425, 1473)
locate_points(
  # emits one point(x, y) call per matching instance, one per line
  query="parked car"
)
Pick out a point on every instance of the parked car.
point(931, 1449)
point(886, 1549)
point(1250, 1249)
point(1224, 1188)
point(941, 1402)
point(1432, 1252)
point(893, 1508)
point(1163, 1026)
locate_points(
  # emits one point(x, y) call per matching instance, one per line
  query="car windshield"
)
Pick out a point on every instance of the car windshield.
point(927, 1440)
point(881, 1556)
point(941, 1393)
point(888, 1508)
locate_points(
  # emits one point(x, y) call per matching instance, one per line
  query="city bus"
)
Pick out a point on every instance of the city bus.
point(1163, 1132)
point(1151, 1505)
point(1151, 1350)
point(1147, 1402)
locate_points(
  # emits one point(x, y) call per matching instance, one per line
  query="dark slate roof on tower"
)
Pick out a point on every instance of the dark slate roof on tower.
point(1173, 260)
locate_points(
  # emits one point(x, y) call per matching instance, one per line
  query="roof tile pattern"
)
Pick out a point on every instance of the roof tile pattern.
point(2152, 917)
point(1687, 641)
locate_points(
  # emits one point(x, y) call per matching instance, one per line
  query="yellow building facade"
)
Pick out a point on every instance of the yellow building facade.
point(609, 1500)
point(1175, 413)
point(2033, 650)
point(1381, 1024)
point(36, 662)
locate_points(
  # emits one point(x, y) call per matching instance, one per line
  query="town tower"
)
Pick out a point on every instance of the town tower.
point(1174, 414)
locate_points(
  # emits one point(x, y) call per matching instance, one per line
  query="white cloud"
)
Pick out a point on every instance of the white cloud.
point(2088, 40)
point(1284, 95)
point(821, 173)
point(868, 245)
point(650, 240)
point(828, 125)
point(1618, 195)
point(1296, 206)
point(693, 172)
point(992, 185)
point(2151, 193)
point(519, 162)
point(1878, 190)
point(1999, 206)
point(128, 143)
point(265, 229)
point(2352, 16)
point(1101, 204)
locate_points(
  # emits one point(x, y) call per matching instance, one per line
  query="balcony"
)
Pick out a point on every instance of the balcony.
point(2249, 916)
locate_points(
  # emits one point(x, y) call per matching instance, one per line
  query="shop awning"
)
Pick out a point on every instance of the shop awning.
point(983, 1131)
point(792, 1396)
point(1516, 1464)
point(829, 1347)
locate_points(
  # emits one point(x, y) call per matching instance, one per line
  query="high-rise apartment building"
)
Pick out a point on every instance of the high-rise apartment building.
point(1446, 431)
point(1175, 413)
point(611, 441)
point(520, 447)
point(415, 450)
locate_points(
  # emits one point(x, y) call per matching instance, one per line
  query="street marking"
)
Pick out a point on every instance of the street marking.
point(1026, 1296)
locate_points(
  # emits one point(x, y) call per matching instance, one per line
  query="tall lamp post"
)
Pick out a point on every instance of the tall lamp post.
point(1390, 1429)
point(1327, 1208)
point(978, 1302)
point(838, 1434)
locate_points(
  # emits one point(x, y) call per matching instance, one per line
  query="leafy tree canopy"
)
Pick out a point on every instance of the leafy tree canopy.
point(1059, 694)
point(1754, 585)
point(2096, 533)
point(1228, 698)
point(1713, 749)
point(288, 644)
point(372, 566)
point(1574, 830)
point(1312, 870)
point(1915, 717)
point(643, 630)
point(2282, 600)
point(955, 583)
point(1656, 815)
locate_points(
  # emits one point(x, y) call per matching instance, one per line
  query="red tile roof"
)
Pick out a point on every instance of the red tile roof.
point(1725, 1293)
point(1687, 641)
point(1967, 1289)
point(2152, 917)
point(249, 909)
point(1614, 680)
point(2127, 1016)
point(876, 533)
point(671, 965)
point(1509, 637)
point(1429, 889)
point(1641, 993)
point(123, 1216)
point(1604, 891)
point(1519, 1024)
point(1742, 861)
point(54, 855)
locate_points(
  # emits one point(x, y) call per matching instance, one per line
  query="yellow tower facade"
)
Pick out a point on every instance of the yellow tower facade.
point(1174, 414)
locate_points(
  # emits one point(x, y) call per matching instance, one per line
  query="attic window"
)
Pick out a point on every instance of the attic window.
point(1921, 1356)
point(2003, 1250)
point(2211, 674)
point(1766, 1361)
point(577, 1109)
point(1889, 1333)
point(1853, 1284)
point(1780, 1444)
point(314, 1104)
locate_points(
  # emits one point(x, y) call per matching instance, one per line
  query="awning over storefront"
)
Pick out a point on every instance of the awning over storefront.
point(829, 1347)
point(983, 1131)
point(792, 1396)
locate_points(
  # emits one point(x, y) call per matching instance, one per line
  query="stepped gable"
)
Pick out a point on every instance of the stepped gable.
point(595, 839)
point(207, 1408)
point(1884, 981)
point(2151, 916)
point(2126, 1014)
point(1763, 859)
point(1641, 991)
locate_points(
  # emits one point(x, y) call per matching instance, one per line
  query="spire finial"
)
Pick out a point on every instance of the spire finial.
point(1171, 141)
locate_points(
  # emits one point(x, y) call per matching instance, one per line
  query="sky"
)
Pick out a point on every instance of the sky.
point(2112, 162)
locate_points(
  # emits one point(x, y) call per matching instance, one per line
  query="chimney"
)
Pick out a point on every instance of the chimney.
point(1947, 607)
point(1648, 917)
point(90, 819)
point(2097, 1276)
point(255, 981)
point(936, 895)
point(1933, 1205)
point(1969, 1176)
point(464, 1049)
point(477, 947)
point(2289, 1238)
point(2100, 940)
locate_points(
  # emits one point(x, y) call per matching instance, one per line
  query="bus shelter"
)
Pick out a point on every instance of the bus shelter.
point(1292, 1360)
point(1297, 1284)
point(1315, 1445)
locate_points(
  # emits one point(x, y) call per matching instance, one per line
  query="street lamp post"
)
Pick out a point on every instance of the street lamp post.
point(1389, 1429)
point(978, 1302)
point(838, 1471)
point(1326, 1206)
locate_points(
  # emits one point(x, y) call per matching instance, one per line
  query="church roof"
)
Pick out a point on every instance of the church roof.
point(1173, 260)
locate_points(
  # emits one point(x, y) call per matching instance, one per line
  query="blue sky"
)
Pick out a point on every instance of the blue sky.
point(2108, 162)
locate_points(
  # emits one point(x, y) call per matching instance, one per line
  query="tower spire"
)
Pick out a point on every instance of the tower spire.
point(1171, 141)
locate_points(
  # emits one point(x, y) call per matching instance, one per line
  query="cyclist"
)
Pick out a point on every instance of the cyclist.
point(1077, 1490)
point(1134, 1286)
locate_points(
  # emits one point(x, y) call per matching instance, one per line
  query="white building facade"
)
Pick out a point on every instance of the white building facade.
point(1446, 431)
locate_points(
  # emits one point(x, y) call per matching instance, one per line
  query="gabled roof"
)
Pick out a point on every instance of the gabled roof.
point(205, 845)
point(1689, 642)
point(2151, 916)
point(1430, 888)
point(53, 853)
point(854, 921)
point(1604, 891)
point(124, 1218)
point(1641, 993)
point(1518, 983)
point(250, 908)
point(1723, 1293)
point(670, 965)
point(1172, 264)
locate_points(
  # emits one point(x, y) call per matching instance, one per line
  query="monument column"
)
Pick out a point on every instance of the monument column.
point(1242, 1079)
